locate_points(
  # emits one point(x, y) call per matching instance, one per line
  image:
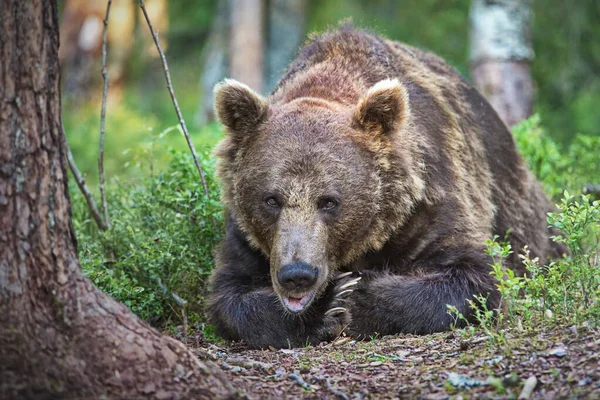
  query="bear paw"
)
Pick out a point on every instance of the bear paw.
point(337, 317)
point(345, 284)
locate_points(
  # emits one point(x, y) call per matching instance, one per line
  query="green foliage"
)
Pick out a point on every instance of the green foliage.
point(158, 251)
point(136, 139)
point(584, 164)
point(542, 154)
point(558, 170)
point(579, 221)
point(566, 66)
point(83, 131)
point(186, 20)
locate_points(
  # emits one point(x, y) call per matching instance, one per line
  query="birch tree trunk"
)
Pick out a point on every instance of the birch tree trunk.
point(60, 337)
point(501, 54)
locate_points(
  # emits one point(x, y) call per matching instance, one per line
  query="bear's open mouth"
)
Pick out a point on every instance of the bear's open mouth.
point(297, 302)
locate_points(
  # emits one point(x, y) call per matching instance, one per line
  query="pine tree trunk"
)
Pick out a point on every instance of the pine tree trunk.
point(501, 54)
point(247, 42)
point(59, 335)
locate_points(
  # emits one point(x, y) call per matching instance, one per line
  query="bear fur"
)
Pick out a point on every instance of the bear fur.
point(359, 195)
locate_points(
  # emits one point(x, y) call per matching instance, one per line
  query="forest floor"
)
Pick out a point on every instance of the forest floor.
point(556, 363)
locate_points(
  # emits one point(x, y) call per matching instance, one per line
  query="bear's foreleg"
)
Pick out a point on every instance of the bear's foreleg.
point(385, 303)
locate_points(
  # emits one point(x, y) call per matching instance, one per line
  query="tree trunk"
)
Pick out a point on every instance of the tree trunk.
point(287, 23)
point(59, 335)
point(501, 54)
point(247, 42)
point(215, 63)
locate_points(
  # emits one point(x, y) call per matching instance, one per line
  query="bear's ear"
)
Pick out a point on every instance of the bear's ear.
point(384, 108)
point(237, 106)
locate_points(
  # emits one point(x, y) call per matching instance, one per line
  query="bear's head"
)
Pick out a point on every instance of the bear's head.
point(314, 184)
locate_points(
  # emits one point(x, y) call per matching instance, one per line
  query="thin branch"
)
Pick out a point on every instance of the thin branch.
point(300, 381)
point(174, 99)
point(103, 120)
point(83, 187)
point(180, 302)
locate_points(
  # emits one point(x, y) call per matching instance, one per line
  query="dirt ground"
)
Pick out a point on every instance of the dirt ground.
point(558, 363)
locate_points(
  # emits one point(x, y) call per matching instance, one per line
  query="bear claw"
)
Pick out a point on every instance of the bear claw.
point(335, 311)
point(342, 275)
point(352, 282)
point(344, 293)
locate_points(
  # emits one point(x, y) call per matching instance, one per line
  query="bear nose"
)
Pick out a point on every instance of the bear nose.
point(297, 275)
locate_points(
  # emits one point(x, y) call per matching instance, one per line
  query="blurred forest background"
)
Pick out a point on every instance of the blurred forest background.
point(157, 254)
point(198, 35)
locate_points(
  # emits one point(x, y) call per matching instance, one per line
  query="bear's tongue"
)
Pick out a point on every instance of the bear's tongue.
point(297, 302)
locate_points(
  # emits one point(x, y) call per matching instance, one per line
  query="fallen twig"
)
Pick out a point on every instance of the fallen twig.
point(174, 99)
point(103, 120)
point(300, 381)
point(80, 180)
point(336, 392)
point(251, 364)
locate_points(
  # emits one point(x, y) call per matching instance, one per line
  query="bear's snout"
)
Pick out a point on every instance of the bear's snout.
point(298, 280)
point(297, 276)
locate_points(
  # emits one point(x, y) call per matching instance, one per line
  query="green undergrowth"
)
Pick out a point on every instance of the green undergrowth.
point(158, 253)
point(572, 169)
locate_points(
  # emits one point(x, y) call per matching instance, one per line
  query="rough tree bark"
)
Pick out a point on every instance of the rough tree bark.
point(59, 335)
point(501, 54)
point(287, 23)
point(247, 42)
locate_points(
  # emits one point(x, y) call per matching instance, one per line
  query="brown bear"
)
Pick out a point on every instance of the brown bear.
point(370, 157)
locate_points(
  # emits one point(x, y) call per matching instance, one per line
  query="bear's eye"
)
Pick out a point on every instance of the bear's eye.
point(328, 204)
point(272, 202)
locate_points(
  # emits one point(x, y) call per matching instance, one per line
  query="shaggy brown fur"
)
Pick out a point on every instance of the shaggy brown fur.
point(369, 156)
